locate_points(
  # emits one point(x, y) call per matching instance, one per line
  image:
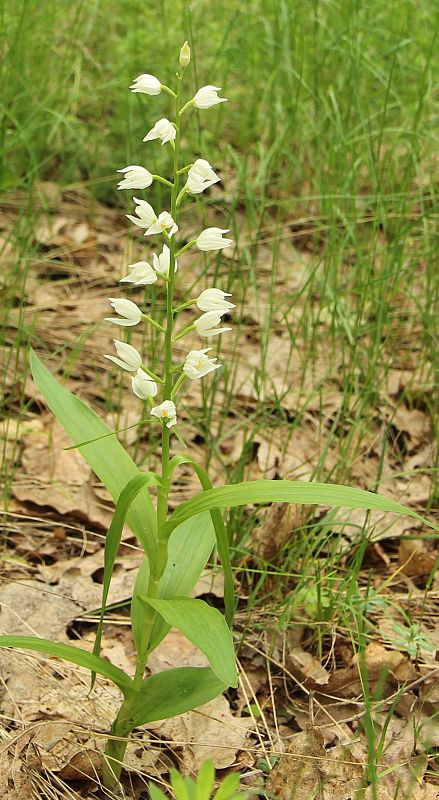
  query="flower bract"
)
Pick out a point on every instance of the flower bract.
point(212, 239)
point(163, 130)
point(141, 274)
point(198, 364)
point(135, 178)
point(128, 357)
point(200, 177)
point(206, 324)
point(166, 412)
point(130, 313)
point(146, 84)
point(143, 386)
point(207, 96)
point(214, 300)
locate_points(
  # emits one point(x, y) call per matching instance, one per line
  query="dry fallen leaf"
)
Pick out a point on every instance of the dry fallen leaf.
point(417, 557)
point(211, 731)
point(310, 670)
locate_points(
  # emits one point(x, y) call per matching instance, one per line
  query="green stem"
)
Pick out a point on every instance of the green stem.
point(152, 375)
point(183, 333)
point(162, 494)
point(168, 90)
point(185, 305)
point(162, 180)
point(123, 724)
point(186, 247)
point(178, 383)
point(154, 324)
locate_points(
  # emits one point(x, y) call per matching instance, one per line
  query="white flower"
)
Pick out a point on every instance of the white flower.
point(197, 364)
point(166, 412)
point(129, 359)
point(127, 309)
point(143, 385)
point(147, 84)
point(146, 215)
point(135, 178)
point(200, 177)
point(207, 96)
point(205, 325)
point(163, 262)
point(213, 300)
point(162, 224)
point(163, 130)
point(185, 55)
point(141, 274)
point(211, 239)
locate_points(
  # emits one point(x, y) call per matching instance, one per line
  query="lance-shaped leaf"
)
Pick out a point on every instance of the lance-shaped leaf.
point(206, 628)
point(141, 586)
point(189, 548)
point(265, 491)
point(73, 654)
point(106, 456)
point(222, 542)
point(174, 692)
point(113, 537)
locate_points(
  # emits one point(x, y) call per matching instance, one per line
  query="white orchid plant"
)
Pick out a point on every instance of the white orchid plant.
point(176, 545)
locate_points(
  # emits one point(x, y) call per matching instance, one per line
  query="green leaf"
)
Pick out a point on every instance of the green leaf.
point(264, 491)
point(206, 628)
point(141, 586)
point(108, 459)
point(188, 550)
point(174, 692)
point(222, 541)
point(73, 654)
point(113, 537)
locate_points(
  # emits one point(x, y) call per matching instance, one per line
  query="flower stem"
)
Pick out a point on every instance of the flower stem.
point(162, 180)
point(186, 247)
point(154, 324)
point(162, 494)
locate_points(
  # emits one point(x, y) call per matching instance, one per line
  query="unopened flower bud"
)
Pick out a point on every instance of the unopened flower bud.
point(185, 55)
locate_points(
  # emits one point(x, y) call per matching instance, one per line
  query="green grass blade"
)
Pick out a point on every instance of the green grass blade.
point(189, 548)
point(108, 459)
point(174, 692)
point(206, 628)
point(265, 491)
point(222, 542)
point(73, 654)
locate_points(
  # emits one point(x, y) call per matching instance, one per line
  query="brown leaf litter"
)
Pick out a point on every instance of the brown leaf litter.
point(286, 406)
